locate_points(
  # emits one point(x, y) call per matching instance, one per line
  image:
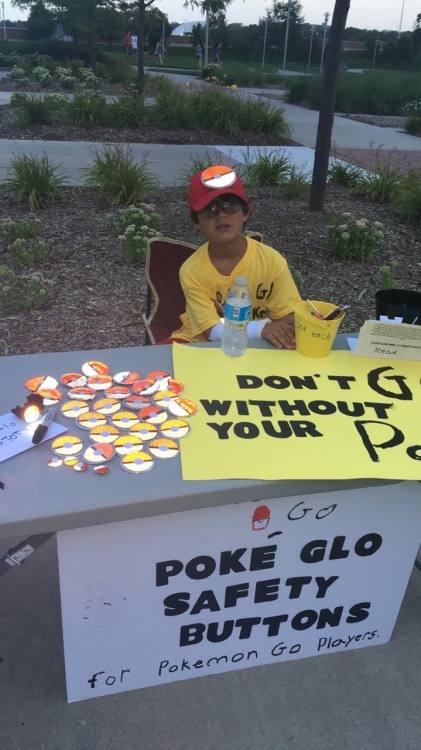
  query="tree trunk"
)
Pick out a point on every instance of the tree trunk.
point(91, 34)
point(327, 106)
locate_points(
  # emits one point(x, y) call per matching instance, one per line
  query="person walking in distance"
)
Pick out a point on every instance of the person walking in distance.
point(199, 54)
point(127, 42)
point(159, 51)
point(134, 44)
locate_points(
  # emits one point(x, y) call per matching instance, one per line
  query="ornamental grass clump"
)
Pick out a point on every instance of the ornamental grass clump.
point(140, 223)
point(353, 239)
point(118, 176)
point(35, 179)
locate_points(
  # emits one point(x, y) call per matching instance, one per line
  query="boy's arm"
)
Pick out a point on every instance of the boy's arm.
point(280, 332)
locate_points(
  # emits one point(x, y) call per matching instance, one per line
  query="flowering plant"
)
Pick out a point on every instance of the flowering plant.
point(139, 224)
point(353, 239)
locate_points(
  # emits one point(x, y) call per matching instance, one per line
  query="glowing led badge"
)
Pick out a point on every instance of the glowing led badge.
point(117, 391)
point(100, 382)
point(106, 434)
point(67, 445)
point(74, 409)
point(124, 419)
point(91, 419)
point(136, 402)
point(182, 407)
point(55, 462)
point(98, 453)
point(145, 387)
point(84, 394)
point(92, 368)
point(175, 428)
point(137, 462)
point(164, 448)
point(218, 177)
point(43, 381)
point(126, 378)
point(50, 396)
point(107, 405)
point(127, 444)
point(144, 430)
point(163, 398)
point(73, 379)
point(153, 414)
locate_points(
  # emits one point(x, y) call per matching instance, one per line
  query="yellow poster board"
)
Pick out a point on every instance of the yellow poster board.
point(279, 415)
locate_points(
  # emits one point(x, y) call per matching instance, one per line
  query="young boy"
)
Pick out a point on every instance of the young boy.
point(219, 206)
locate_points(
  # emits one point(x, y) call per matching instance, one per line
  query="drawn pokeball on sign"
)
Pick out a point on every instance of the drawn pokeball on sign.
point(261, 518)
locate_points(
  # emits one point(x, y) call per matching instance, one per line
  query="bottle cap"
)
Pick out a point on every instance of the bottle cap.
point(241, 281)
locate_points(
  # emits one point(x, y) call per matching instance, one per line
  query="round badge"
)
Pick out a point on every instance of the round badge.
point(153, 414)
point(104, 434)
point(100, 382)
point(159, 377)
point(163, 448)
point(80, 466)
point(51, 396)
point(107, 405)
point(117, 391)
point(71, 461)
point(124, 419)
point(144, 430)
point(67, 445)
point(43, 381)
point(92, 368)
point(101, 469)
point(127, 444)
point(182, 407)
point(73, 379)
point(137, 462)
point(85, 394)
point(55, 462)
point(175, 385)
point(74, 408)
point(98, 453)
point(175, 428)
point(145, 387)
point(126, 378)
point(218, 176)
point(91, 419)
point(163, 398)
point(136, 402)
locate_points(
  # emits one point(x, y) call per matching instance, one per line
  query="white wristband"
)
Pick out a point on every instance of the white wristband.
point(255, 328)
point(216, 332)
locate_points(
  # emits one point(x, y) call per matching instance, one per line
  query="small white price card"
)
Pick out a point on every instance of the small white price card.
point(16, 435)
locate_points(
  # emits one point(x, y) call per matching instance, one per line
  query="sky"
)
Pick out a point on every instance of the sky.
point(363, 14)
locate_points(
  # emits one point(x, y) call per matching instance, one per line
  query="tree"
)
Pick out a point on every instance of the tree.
point(41, 22)
point(215, 11)
point(327, 106)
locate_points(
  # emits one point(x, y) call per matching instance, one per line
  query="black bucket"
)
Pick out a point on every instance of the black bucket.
point(399, 303)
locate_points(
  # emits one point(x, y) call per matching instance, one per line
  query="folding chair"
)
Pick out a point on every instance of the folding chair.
point(165, 300)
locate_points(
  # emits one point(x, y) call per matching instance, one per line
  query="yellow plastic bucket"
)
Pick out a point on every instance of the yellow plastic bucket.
point(314, 337)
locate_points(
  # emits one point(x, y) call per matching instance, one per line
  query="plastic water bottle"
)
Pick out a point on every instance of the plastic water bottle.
point(237, 311)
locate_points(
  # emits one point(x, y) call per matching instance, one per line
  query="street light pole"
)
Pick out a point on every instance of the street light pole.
point(286, 36)
point(376, 44)
point(4, 20)
point(207, 39)
point(264, 43)
point(400, 22)
point(324, 40)
point(313, 29)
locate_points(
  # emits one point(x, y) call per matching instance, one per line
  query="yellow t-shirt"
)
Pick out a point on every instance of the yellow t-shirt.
point(268, 279)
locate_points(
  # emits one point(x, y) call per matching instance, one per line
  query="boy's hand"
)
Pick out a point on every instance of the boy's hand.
point(280, 333)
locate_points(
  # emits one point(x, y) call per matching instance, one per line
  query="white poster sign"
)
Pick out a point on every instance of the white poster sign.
point(153, 600)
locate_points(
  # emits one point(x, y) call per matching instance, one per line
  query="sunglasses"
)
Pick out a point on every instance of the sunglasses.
point(227, 205)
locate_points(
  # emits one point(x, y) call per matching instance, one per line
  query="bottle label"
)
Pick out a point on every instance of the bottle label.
point(236, 313)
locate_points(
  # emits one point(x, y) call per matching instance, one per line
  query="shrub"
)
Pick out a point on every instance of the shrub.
point(129, 111)
point(344, 174)
point(139, 223)
point(35, 179)
point(387, 275)
point(353, 239)
point(37, 110)
point(89, 78)
point(88, 108)
point(412, 124)
point(381, 184)
point(42, 75)
point(407, 197)
point(22, 291)
point(120, 179)
point(65, 77)
point(269, 169)
point(12, 230)
point(19, 76)
point(295, 186)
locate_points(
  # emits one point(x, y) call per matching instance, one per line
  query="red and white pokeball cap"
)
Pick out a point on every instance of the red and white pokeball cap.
point(212, 182)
